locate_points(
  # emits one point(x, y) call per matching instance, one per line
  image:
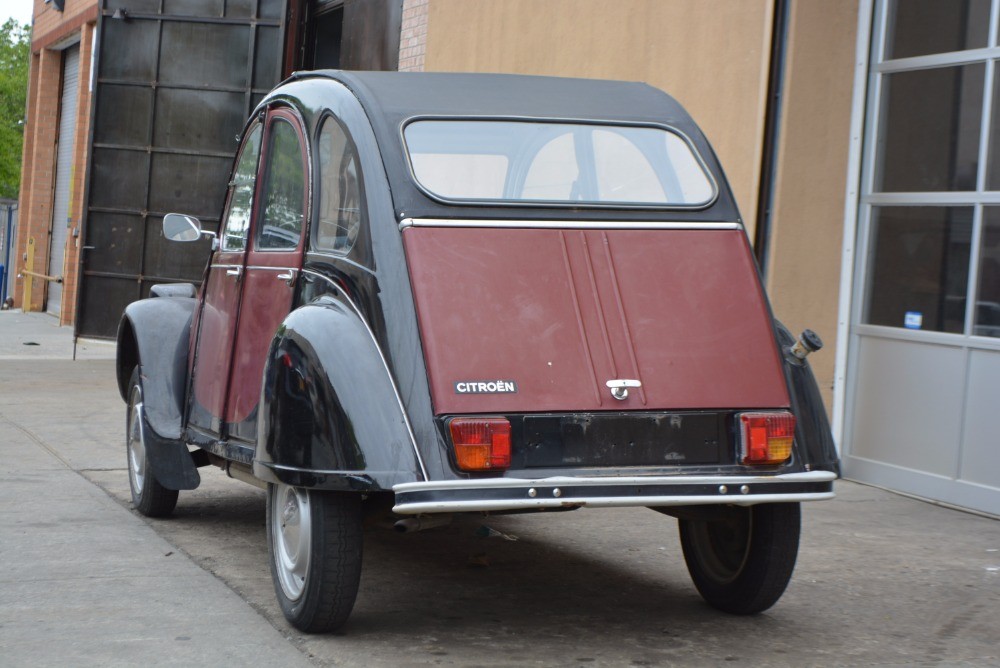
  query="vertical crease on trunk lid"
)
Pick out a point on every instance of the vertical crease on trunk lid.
point(621, 314)
point(600, 307)
point(579, 319)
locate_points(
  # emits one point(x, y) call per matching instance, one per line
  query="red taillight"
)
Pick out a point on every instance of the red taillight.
point(481, 444)
point(767, 437)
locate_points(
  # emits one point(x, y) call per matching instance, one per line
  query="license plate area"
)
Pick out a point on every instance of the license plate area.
point(620, 439)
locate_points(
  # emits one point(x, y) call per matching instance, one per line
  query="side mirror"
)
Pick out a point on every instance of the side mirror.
point(180, 227)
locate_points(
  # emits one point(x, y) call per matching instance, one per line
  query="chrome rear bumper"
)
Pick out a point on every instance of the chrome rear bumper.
point(496, 494)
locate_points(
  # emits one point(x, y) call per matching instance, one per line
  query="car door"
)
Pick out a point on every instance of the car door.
point(273, 262)
point(219, 310)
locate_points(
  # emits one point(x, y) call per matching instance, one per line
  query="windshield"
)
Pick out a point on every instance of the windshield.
point(560, 163)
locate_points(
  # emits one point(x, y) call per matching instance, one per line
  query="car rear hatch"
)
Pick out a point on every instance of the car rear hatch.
point(540, 320)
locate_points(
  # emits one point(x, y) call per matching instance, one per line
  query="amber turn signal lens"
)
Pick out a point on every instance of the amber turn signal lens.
point(481, 444)
point(767, 437)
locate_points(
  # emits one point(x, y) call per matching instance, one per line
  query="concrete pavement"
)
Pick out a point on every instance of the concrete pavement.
point(881, 579)
point(85, 582)
point(39, 336)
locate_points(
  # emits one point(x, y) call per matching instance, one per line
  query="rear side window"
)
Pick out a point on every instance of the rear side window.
point(341, 208)
point(559, 163)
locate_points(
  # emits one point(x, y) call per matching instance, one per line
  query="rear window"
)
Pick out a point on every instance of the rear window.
point(558, 163)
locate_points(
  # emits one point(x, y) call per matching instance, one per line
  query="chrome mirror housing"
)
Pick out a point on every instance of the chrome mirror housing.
point(181, 227)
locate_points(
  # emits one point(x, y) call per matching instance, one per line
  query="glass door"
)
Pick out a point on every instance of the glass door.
point(925, 332)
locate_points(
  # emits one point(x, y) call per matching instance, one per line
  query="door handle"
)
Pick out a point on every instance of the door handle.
point(288, 277)
point(235, 271)
point(620, 386)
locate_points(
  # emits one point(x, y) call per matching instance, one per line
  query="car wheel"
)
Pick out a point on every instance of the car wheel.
point(742, 564)
point(149, 497)
point(314, 541)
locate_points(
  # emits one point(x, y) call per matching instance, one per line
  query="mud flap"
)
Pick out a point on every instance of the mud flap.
point(169, 459)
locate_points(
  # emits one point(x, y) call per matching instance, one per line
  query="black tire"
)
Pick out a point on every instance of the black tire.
point(149, 497)
point(743, 563)
point(314, 542)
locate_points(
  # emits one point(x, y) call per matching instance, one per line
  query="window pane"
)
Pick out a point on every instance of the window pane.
point(930, 135)
point(234, 236)
point(465, 175)
point(921, 27)
point(281, 224)
point(988, 294)
point(919, 267)
point(993, 155)
point(554, 172)
point(340, 204)
point(623, 173)
point(556, 162)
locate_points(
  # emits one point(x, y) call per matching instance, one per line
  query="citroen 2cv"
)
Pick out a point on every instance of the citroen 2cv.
point(434, 294)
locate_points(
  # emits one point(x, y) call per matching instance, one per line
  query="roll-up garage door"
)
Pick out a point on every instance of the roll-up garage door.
point(64, 173)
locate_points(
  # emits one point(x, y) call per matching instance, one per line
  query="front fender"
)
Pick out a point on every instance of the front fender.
point(329, 414)
point(154, 335)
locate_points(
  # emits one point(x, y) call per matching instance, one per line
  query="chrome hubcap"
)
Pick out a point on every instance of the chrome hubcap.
point(291, 530)
point(136, 448)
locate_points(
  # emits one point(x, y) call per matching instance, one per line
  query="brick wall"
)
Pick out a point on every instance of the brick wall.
point(50, 26)
point(413, 36)
point(36, 185)
point(53, 30)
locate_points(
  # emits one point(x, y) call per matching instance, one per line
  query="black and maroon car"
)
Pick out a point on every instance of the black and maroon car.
point(434, 294)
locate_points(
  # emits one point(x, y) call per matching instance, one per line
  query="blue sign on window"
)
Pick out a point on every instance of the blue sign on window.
point(913, 320)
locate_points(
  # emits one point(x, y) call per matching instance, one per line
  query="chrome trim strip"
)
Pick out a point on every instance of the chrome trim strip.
point(255, 266)
point(299, 469)
point(337, 257)
point(385, 364)
point(225, 266)
point(568, 224)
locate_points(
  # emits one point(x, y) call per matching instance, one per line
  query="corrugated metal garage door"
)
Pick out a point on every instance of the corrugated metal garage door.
point(64, 173)
point(175, 82)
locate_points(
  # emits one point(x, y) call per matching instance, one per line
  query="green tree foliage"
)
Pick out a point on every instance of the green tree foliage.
point(15, 53)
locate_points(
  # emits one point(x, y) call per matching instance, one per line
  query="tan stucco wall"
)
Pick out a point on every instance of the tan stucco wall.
point(709, 54)
point(803, 277)
point(713, 56)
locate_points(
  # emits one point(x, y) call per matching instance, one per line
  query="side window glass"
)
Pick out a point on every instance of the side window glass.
point(237, 217)
point(284, 190)
point(340, 200)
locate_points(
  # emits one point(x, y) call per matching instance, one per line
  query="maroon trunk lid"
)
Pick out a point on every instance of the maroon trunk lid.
point(557, 313)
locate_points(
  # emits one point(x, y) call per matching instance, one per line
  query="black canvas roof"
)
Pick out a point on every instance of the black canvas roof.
point(392, 98)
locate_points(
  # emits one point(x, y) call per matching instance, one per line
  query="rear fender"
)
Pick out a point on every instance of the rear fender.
point(329, 414)
point(813, 437)
point(154, 334)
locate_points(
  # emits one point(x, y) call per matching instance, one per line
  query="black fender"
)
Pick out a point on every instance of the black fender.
point(154, 335)
point(330, 416)
point(173, 290)
point(813, 438)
